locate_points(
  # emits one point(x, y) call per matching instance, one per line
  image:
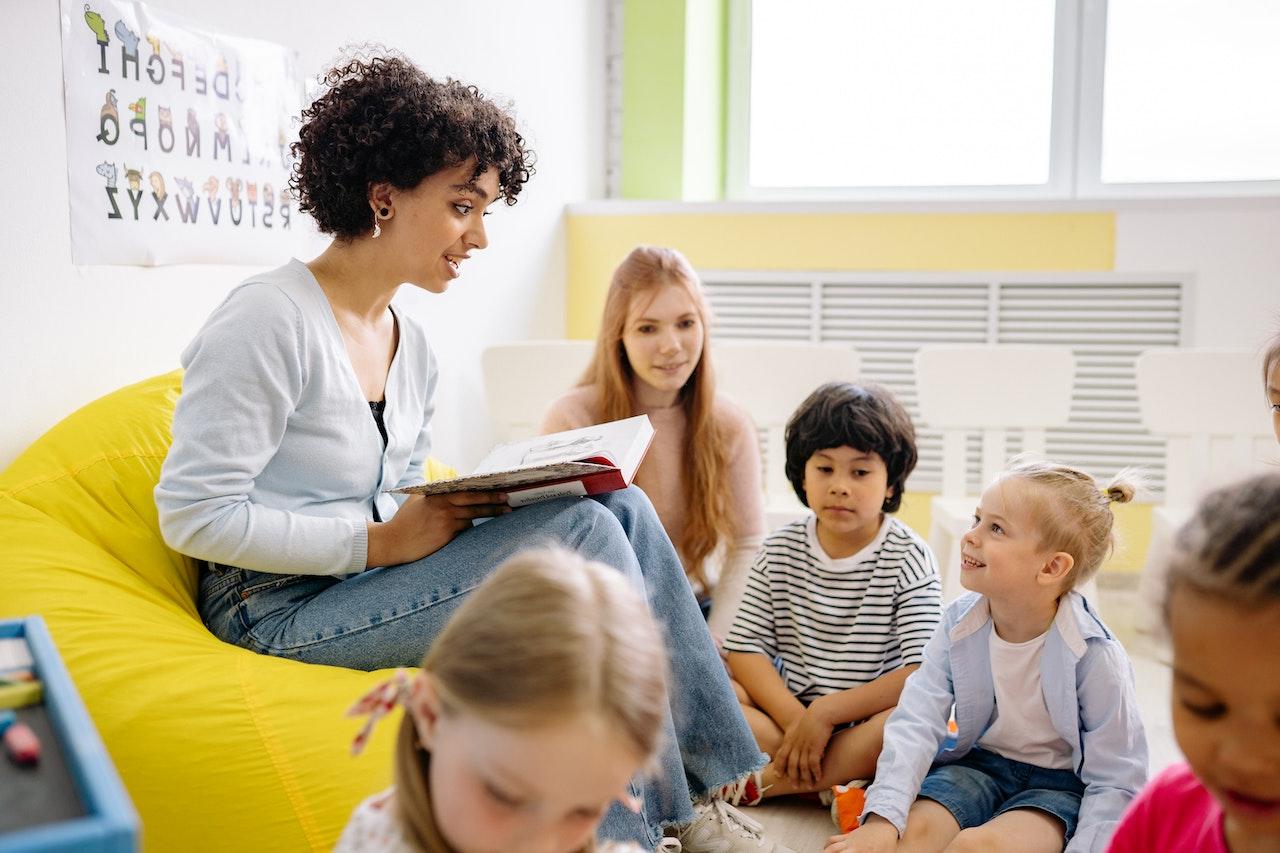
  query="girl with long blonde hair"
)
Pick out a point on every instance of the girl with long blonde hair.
point(535, 706)
point(703, 471)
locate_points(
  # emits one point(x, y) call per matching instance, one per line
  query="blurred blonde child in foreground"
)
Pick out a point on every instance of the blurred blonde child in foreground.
point(1050, 749)
point(536, 705)
point(1222, 611)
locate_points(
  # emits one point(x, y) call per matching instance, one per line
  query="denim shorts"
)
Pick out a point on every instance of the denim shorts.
point(984, 784)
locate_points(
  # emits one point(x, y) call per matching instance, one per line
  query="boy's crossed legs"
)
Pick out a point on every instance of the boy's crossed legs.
point(851, 753)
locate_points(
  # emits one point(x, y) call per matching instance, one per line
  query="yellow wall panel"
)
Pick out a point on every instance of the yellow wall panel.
point(836, 241)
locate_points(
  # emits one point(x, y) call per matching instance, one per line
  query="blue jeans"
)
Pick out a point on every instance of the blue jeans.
point(388, 617)
point(984, 784)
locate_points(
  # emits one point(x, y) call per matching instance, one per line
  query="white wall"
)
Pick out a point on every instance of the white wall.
point(1232, 249)
point(69, 334)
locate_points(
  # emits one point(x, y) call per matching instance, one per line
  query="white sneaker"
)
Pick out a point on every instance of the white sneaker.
point(720, 828)
point(669, 845)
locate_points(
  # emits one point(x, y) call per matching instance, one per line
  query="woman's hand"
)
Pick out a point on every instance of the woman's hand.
point(800, 755)
point(426, 523)
point(877, 835)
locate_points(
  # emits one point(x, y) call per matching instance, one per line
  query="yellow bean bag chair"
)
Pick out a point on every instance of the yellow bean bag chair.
point(220, 748)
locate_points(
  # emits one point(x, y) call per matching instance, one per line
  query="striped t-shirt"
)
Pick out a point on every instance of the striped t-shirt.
point(837, 624)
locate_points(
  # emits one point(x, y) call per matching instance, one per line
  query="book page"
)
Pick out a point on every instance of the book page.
point(546, 459)
point(609, 441)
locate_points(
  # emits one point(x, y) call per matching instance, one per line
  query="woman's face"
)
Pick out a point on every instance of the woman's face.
point(1226, 706)
point(663, 339)
point(542, 789)
point(1273, 396)
point(436, 225)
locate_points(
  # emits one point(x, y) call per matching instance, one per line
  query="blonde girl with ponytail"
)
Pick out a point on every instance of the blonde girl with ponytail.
point(1049, 749)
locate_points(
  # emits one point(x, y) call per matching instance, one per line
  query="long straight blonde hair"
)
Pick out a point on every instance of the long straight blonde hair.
point(547, 635)
point(706, 508)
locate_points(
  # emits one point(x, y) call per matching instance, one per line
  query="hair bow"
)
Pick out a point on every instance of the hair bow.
point(376, 704)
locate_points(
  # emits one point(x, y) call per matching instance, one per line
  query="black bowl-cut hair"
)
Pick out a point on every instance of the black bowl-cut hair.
point(867, 418)
point(381, 119)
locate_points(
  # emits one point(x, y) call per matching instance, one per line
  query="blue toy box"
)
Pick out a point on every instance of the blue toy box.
point(75, 778)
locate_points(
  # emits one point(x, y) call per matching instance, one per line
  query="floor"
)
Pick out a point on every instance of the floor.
point(805, 826)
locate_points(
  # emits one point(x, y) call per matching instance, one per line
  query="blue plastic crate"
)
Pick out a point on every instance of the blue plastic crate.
point(110, 824)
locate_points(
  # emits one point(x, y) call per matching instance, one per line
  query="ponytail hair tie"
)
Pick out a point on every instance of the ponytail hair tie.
point(376, 704)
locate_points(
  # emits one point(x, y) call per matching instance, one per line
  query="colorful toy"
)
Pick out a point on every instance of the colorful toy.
point(19, 741)
point(847, 802)
point(22, 745)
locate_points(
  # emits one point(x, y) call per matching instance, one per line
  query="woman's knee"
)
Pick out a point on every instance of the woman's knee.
point(630, 506)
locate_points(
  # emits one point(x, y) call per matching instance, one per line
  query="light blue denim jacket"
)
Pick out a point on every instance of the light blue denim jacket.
point(1088, 687)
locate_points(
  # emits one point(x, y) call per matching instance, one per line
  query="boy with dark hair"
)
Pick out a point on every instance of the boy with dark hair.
point(838, 606)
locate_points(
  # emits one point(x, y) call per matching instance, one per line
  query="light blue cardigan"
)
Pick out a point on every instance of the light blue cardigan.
point(1088, 686)
point(276, 459)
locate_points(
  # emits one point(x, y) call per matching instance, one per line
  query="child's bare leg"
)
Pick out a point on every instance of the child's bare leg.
point(930, 828)
point(768, 733)
point(851, 754)
point(1020, 830)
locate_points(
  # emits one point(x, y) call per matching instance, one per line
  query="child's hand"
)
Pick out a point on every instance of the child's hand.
point(877, 835)
point(800, 755)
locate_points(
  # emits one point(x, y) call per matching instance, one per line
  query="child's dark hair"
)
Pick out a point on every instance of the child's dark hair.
point(1231, 546)
point(381, 119)
point(867, 418)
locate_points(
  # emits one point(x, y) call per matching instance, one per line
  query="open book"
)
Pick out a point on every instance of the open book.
point(586, 461)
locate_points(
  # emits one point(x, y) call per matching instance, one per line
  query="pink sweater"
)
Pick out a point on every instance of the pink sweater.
point(1173, 812)
point(662, 476)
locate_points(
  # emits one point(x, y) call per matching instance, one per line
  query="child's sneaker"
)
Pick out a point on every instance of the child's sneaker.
point(720, 828)
point(748, 791)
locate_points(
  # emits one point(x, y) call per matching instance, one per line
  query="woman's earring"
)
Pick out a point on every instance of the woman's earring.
point(382, 213)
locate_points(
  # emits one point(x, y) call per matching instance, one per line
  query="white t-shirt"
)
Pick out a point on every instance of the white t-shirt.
point(1023, 730)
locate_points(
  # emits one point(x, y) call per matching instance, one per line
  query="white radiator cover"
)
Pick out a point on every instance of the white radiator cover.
point(1106, 318)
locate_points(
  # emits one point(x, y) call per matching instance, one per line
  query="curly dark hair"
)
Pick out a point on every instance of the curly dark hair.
point(867, 418)
point(381, 119)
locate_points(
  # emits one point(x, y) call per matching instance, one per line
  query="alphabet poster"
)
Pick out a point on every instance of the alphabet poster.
point(177, 139)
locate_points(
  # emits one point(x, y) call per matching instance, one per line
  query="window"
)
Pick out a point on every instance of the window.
point(1003, 98)
point(964, 101)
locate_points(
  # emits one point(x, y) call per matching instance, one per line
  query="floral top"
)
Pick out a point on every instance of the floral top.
point(375, 828)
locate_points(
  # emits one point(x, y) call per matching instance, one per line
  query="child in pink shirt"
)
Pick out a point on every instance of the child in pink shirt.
point(1223, 614)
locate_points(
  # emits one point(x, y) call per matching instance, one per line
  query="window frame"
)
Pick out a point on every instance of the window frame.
point(1075, 135)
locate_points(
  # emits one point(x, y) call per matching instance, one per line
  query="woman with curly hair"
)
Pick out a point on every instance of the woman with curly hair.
point(309, 393)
